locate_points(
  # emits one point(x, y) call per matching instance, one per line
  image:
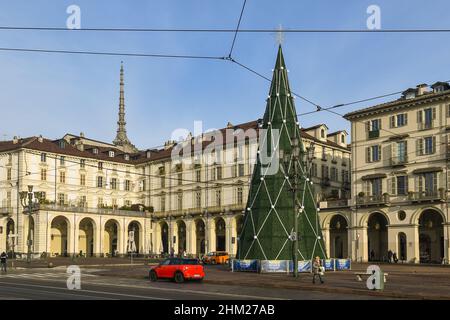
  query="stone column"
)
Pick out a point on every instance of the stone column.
point(211, 229)
point(190, 237)
point(326, 236)
point(228, 230)
point(173, 236)
point(99, 237)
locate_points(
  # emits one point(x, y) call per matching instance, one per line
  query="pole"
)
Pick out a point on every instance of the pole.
point(30, 207)
point(294, 192)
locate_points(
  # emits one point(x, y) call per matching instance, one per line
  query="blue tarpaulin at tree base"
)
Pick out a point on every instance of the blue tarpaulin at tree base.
point(286, 266)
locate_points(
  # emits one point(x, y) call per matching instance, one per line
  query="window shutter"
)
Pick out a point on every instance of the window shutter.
point(406, 118)
point(419, 147)
point(441, 177)
point(379, 124)
point(394, 150)
point(406, 184)
point(379, 152)
point(66, 199)
point(392, 121)
point(368, 126)
point(434, 113)
point(434, 144)
point(367, 154)
point(419, 116)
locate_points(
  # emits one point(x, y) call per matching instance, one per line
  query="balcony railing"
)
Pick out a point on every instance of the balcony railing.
point(427, 195)
point(56, 207)
point(329, 204)
point(373, 200)
point(426, 125)
point(374, 134)
point(325, 182)
point(399, 161)
point(210, 209)
point(6, 210)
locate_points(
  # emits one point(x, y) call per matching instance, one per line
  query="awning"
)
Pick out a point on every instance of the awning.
point(374, 176)
point(427, 170)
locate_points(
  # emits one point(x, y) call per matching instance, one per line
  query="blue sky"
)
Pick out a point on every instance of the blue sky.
point(52, 94)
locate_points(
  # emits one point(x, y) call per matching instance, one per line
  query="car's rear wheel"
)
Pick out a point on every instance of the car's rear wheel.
point(179, 277)
point(153, 276)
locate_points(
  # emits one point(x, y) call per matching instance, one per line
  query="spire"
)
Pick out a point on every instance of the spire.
point(122, 140)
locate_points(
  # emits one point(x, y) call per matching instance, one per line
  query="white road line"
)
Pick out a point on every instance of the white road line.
point(87, 291)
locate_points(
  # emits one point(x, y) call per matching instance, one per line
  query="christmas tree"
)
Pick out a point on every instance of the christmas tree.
point(267, 232)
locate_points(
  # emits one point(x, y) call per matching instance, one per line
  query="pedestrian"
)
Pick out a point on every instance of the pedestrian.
point(3, 260)
point(172, 252)
point(390, 254)
point(394, 256)
point(318, 270)
point(372, 255)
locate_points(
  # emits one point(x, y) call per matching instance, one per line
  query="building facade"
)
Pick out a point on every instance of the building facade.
point(400, 178)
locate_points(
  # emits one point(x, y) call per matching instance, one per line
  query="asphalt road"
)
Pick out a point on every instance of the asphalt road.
point(50, 284)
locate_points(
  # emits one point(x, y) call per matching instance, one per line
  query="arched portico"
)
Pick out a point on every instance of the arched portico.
point(338, 237)
point(431, 236)
point(86, 237)
point(377, 236)
point(59, 236)
point(111, 243)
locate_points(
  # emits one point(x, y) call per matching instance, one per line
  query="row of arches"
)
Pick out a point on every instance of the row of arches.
point(430, 231)
point(200, 237)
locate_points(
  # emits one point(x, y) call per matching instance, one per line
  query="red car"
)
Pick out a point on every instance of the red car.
point(178, 269)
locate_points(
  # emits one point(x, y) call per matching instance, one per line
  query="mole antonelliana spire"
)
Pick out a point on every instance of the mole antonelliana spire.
point(121, 140)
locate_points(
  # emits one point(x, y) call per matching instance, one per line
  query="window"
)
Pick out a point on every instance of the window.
point(314, 170)
point(114, 203)
point(43, 157)
point(82, 163)
point(99, 182)
point(111, 154)
point(114, 183)
point(61, 199)
point(42, 196)
point(241, 170)
point(100, 166)
point(426, 184)
point(376, 187)
point(234, 170)
point(342, 138)
point(162, 204)
point(373, 153)
point(127, 185)
point(218, 198)
point(62, 160)
point(100, 202)
point(240, 195)
point(402, 182)
point(428, 142)
point(198, 199)
point(399, 120)
point(373, 128)
point(325, 172)
point(334, 174)
point(95, 151)
point(143, 185)
point(83, 202)
point(8, 174)
point(163, 182)
point(322, 133)
point(425, 118)
point(344, 176)
point(218, 173)
point(127, 157)
point(82, 180)
point(62, 177)
point(180, 179)
point(180, 201)
point(62, 144)
point(198, 175)
point(324, 153)
point(43, 174)
point(127, 203)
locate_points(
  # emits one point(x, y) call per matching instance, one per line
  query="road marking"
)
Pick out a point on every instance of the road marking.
point(86, 291)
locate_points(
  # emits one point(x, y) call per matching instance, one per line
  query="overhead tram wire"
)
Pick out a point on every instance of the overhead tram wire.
point(104, 53)
point(209, 30)
point(237, 28)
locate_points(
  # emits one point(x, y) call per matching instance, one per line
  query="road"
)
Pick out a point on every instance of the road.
point(51, 284)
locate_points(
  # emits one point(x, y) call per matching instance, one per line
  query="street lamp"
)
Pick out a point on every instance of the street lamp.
point(293, 178)
point(29, 200)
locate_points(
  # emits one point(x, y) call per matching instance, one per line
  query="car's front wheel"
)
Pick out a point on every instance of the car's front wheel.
point(153, 276)
point(179, 277)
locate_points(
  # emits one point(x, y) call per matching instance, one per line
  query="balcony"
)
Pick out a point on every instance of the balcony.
point(383, 199)
point(331, 204)
point(373, 134)
point(426, 125)
point(325, 182)
point(211, 210)
point(424, 196)
point(103, 211)
point(346, 185)
point(4, 211)
point(399, 161)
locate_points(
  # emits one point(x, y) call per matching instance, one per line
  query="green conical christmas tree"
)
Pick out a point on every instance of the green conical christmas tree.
point(269, 217)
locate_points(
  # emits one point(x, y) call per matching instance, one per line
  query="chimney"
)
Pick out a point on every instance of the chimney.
point(40, 139)
point(15, 140)
point(80, 146)
point(422, 89)
point(81, 134)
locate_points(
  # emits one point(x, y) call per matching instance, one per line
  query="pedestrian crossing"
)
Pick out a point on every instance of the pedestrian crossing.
point(41, 275)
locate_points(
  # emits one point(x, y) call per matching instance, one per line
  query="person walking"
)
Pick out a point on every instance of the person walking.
point(3, 260)
point(394, 256)
point(390, 254)
point(317, 270)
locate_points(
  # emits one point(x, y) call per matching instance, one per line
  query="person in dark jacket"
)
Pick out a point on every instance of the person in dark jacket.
point(3, 260)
